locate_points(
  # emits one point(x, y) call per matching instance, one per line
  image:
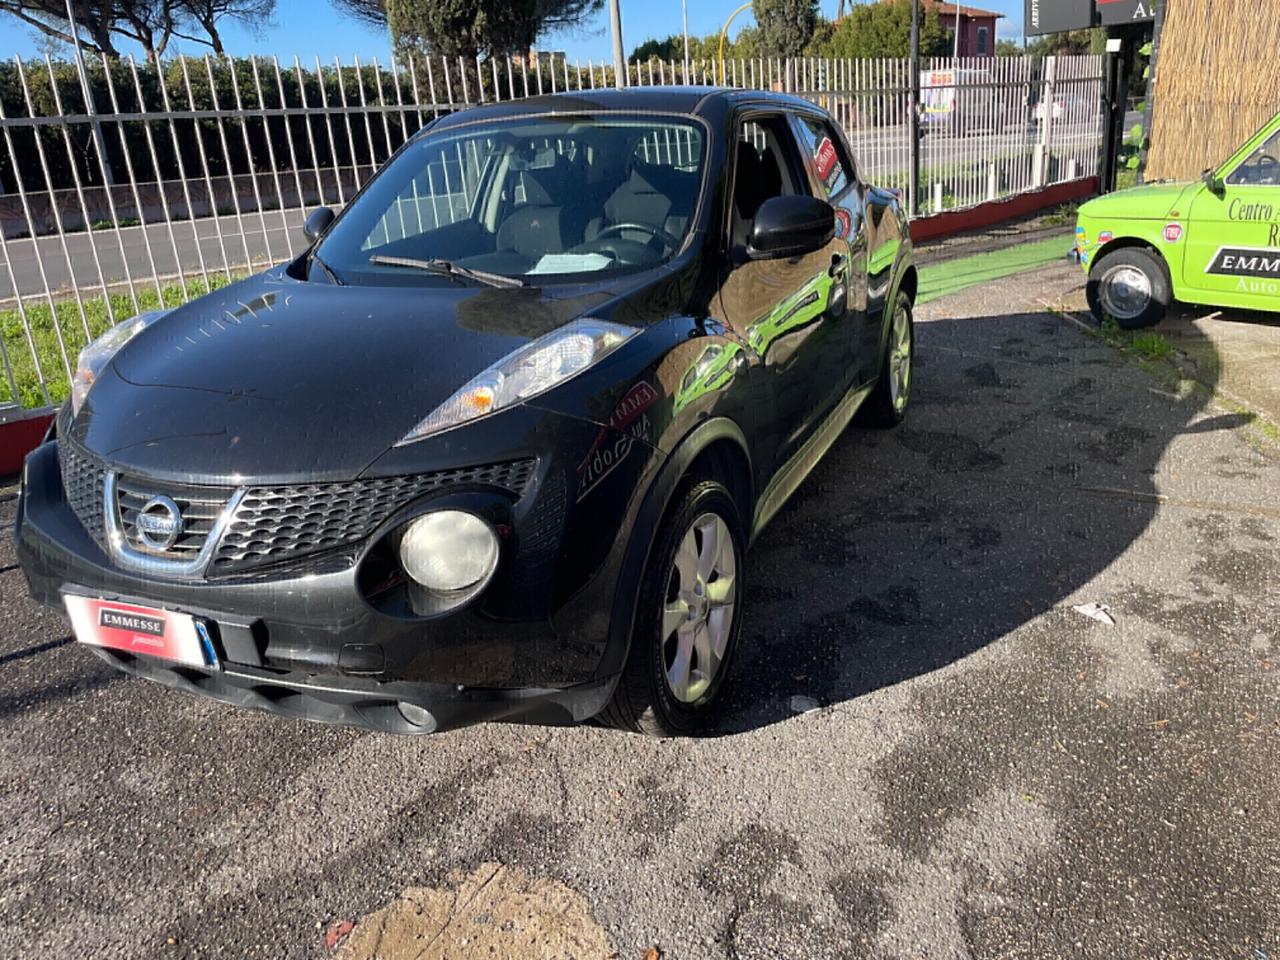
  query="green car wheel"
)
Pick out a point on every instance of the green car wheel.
point(1130, 285)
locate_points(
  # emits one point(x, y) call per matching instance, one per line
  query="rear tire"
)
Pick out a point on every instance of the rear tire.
point(1131, 286)
point(687, 620)
point(887, 405)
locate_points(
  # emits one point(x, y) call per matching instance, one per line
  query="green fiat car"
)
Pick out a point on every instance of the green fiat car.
point(1215, 242)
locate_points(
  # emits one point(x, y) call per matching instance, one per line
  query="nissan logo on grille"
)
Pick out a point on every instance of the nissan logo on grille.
point(159, 523)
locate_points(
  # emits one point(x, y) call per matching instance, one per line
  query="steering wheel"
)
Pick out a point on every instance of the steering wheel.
point(1266, 166)
point(656, 233)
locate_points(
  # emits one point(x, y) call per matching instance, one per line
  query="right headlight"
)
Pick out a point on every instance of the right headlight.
point(532, 369)
point(449, 550)
point(97, 354)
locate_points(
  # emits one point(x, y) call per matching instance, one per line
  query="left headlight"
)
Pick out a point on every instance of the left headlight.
point(96, 355)
point(532, 369)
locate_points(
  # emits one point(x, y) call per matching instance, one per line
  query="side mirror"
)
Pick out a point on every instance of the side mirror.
point(790, 226)
point(317, 223)
point(1211, 180)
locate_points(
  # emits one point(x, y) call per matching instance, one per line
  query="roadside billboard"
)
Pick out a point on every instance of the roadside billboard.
point(1057, 16)
point(1111, 12)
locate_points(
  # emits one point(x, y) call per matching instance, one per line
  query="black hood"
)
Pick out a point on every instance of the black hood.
point(277, 378)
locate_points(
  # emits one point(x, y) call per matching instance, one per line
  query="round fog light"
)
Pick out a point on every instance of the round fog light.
point(449, 550)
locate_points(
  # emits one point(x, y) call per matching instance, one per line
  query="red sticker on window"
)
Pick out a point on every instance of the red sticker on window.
point(844, 223)
point(825, 158)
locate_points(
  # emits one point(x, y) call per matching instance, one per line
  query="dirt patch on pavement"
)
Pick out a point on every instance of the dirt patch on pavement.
point(494, 911)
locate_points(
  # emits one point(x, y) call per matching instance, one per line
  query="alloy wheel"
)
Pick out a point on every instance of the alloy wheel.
point(900, 359)
point(697, 616)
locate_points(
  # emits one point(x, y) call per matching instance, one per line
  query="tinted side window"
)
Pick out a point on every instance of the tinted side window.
point(828, 157)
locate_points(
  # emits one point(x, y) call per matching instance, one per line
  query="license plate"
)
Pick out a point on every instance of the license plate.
point(136, 629)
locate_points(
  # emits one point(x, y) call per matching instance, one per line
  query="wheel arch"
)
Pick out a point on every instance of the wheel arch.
point(910, 283)
point(1131, 242)
point(716, 449)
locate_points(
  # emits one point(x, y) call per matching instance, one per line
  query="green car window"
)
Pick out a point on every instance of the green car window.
point(1262, 167)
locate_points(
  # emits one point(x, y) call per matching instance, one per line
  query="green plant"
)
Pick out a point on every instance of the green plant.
point(1152, 345)
point(785, 26)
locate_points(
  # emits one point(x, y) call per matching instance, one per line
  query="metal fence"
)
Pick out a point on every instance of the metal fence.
point(138, 185)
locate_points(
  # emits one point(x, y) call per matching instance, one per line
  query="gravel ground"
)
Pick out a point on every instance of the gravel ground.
point(989, 774)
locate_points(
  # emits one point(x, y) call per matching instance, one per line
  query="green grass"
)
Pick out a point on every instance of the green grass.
point(1152, 345)
point(103, 224)
point(1064, 215)
point(45, 332)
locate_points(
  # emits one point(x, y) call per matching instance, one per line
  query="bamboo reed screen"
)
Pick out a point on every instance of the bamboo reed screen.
point(1217, 81)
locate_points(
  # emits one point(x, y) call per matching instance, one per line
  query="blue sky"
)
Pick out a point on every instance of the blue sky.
point(312, 27)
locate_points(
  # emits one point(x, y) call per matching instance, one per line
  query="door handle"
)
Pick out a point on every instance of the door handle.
point(839, 263)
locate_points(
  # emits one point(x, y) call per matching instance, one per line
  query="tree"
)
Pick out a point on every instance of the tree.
point(1008, 48)
point(1093, 40)
point(370, 11)
point(884, 30)
point(785, 27)
point(149, 23)
point(207, 14)
point(671, 49)
point(469, 27)
point(50, 18)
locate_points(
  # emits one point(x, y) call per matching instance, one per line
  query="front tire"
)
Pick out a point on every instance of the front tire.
point(887, 405)
point(688, 618)
point(1131, 285)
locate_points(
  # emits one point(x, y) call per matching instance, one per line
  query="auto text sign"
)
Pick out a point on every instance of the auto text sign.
point(1056, 16)
point(1113, 12)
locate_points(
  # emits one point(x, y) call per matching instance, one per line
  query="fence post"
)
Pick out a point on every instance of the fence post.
point(1042, 155)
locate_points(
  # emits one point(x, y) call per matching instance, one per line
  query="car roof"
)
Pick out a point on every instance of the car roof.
point(690, 100)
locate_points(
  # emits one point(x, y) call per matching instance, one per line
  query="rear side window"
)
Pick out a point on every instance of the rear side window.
point(826, 153)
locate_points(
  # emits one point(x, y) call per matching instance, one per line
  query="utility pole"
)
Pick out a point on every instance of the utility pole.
point(955, 50)
point(684, 12)
point(87, 92)
point(619, 61)
point(913, 199)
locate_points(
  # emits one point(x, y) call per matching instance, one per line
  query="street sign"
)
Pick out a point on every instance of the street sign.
point(1056, 16)
point(1114, 12)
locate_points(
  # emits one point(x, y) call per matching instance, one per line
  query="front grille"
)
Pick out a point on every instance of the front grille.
point(199, 507)
point(273, 524)
point(82, 478)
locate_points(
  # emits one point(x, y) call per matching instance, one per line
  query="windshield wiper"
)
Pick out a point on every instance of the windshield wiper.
point(447, 268)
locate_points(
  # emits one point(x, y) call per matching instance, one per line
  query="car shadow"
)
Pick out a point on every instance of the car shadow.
point(1025, 467)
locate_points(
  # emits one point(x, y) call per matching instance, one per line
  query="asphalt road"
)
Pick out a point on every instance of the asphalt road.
point(989, 774)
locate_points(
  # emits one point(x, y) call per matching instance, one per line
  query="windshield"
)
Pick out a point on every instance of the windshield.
point(533, 198)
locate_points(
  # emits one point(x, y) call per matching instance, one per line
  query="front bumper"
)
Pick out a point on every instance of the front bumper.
point(303, 640)
point(393, 707)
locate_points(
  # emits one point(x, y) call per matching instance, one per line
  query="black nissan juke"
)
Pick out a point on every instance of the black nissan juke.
point(494, 446)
